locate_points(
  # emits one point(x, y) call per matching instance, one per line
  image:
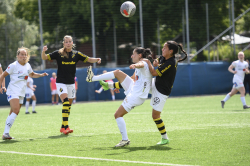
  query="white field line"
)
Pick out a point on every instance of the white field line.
point(90, 158)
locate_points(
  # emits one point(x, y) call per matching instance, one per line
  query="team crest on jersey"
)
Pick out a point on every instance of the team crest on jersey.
point(73, 55)
point(156, 100)
point(23, 77)
point(61, 90)
point(20, 72)
point(8, 97)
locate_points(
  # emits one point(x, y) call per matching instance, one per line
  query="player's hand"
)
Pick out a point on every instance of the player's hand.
point(33, 89)
point(3, 89)
point(132, 66)
point(44, 74)
point(99, 60)
point(234, 72)
point(116, 90)
point(155, 63)
point(34, 86)
point(45, 48)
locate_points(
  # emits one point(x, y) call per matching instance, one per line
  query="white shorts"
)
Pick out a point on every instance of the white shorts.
point(10, 97)
point(66, 88)
point(158, 100)
point(29, 95)
point(54, 92)
point(237, 83)
point(127, 84)
point(131, 101)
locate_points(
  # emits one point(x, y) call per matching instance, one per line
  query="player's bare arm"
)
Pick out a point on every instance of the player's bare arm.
point(230, 69)
point(44, 56)
point(95, 60)
point(151, 68)
point(2, 77)
point(37, 75)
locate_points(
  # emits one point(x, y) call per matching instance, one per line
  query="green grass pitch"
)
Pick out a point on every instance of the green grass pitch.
point(200, 132)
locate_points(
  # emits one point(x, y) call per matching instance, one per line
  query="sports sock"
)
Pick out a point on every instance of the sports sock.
point(113, 97)
point(122, 127)
point(243, 100)
point(161, 127)
point(105, 76)
point(27, 104)
point(9, 122)
point(33, 105)
point(117, 85)
point(65, 113)
point(226, 98)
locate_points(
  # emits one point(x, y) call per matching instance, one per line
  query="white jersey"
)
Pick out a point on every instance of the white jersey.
point(0, 65)
point(143, 81)
point(28, 89)
point(240, 68)
point(18, 78)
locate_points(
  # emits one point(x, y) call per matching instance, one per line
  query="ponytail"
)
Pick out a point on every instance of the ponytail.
point(180, 46)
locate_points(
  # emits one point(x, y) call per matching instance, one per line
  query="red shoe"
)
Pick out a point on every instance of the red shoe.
point(65, 132)
point(69, 130)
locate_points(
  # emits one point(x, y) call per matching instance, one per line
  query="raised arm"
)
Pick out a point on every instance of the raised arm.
point(151, 68)
point(37, 75)
point(94, 60)
point(44, 56)
point(3, 83)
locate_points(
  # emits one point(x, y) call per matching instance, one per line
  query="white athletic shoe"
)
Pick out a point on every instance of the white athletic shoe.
point(90, 74)
point(123, 143)
point(7, 136)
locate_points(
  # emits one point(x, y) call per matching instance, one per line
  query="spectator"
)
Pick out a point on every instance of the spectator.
point(30, 95)
point(53, 89)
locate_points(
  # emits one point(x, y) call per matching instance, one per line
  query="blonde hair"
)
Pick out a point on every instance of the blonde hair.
point(27, 51)
point(63, 51)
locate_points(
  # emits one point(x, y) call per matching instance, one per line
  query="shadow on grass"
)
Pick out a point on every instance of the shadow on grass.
point(132, 149)
point(244, 110)
point(64, 136)
point(9, 141)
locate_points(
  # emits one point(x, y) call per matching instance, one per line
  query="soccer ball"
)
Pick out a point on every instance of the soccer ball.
point(128, 9)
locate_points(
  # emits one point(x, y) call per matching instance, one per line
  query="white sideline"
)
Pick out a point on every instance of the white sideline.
point(90, 158)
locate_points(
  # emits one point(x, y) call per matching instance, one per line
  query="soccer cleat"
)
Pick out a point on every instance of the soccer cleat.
point(104, 85)
point(65, 132)
point(69, 130)
point(89, 74)
point(246, 106)
point(7, 136)
point(163, 142)
point(123, 143)
point(34, 112)
point(222, 103)
point(27, 112)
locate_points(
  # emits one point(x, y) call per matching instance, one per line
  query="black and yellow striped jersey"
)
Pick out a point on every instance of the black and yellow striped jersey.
point(166, 74)
point(67, 66)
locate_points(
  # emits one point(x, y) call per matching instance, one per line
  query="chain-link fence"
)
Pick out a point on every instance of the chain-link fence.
point(115, 35)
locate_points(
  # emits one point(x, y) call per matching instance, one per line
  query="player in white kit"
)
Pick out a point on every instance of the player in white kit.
point(3, 83)
point(29, 94)
point(241, 68)
point(136, 88)
point(19, 72)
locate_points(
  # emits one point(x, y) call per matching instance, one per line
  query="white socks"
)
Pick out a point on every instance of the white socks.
point(9, 122)
point(226, 98)
point(113, 97)
point(122, 127)
point(105, 76)
point(27, 104)
point(33, 105)
point(165, 136)
point(243, 100)
point(111, 85)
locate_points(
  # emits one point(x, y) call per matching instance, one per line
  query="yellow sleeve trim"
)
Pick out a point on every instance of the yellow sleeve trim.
point(49, 58)
point(158, 72)
point(86, 59)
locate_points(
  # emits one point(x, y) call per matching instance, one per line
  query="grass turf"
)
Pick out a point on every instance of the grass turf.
point(200, 132)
